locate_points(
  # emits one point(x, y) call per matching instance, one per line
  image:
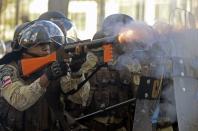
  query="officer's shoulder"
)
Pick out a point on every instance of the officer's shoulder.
point(1, 66)
point(8, 75)
point(8, 68)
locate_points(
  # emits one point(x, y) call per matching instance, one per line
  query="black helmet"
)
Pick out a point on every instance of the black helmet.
point(14, 44)
point(41, 31)
point(19, 28)
point(64, 23)
point(115, 22)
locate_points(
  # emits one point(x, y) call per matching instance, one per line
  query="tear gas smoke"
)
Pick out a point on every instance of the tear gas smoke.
point(155, 49)
point(167, 106)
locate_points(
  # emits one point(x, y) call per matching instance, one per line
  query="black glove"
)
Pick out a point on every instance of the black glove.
point(77, 61)
point(56, 70)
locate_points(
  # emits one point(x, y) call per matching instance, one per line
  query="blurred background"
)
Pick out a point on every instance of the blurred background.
point(88, 14)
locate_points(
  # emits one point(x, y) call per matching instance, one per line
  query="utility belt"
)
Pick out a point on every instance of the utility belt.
point(113, 80)
point(105, 83)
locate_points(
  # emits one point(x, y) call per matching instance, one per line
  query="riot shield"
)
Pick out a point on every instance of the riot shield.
point(185, 79)
point(146, 104)
point(185, 67)
point(183, 73)
point(181, 66)
point(172, 57)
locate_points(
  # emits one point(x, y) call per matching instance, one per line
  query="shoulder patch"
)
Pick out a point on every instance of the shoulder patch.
point(6, 80)
point(8, 75)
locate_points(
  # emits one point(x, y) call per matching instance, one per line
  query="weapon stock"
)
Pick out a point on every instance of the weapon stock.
point(31, 65)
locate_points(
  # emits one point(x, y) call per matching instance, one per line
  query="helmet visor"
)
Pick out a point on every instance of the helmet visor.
point(68, 28)
point(39, 32)
point(71, 35)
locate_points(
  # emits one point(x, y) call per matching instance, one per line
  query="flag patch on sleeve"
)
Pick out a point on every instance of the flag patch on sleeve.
point(6, 81)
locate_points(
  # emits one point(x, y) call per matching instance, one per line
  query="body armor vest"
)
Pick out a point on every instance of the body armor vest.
point(109, 89)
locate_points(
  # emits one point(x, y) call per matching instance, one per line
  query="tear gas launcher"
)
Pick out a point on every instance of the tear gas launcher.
point(67, 51)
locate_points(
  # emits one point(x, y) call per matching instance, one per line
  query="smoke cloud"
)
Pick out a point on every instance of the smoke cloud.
point(156, 48)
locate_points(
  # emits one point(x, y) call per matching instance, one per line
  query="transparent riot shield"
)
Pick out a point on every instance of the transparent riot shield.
point(185, 67)
point(181, 66)
point(148, 94)
point(146, 104)
point(185, 75)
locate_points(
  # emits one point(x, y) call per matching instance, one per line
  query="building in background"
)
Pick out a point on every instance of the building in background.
point(84, 15)
point(14, 12)
point(89, 14)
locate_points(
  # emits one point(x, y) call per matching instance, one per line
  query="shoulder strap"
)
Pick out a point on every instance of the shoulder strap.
point(73, 91)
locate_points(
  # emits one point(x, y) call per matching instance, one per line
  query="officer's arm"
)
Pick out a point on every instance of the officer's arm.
point(69, 83)
point(89, 64)
point(18, 94)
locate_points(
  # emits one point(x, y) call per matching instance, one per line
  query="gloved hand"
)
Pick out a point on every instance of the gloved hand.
point(77, 61)
point(56, 70)
point(91, 61)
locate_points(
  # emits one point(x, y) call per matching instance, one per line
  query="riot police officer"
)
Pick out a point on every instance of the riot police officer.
point(110, 86)
point(25, 94)
point(76, 101)
point(69, 30)
point(23, 99)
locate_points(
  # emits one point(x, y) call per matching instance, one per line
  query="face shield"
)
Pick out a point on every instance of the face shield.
point(41, 32)
point(71, 35)
point(68, 29)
